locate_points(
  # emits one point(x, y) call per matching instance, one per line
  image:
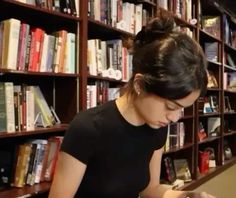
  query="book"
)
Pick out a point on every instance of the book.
point(182, 170)
point(3, 117)
point(213, 126)
point(42, 108)
point(22, 165)
point(37, 170)
point(9, 102)
point(201, 132)
point(211, 24)
point(168, 170)
point(54, 147)
point(11, 34)
point(30, 108)
point(212, 82)
point(21, 55)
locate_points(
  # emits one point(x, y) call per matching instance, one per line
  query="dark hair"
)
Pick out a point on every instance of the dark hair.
point(173, 64)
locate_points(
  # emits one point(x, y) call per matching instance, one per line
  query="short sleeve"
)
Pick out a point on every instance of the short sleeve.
point(80, 139)
point(161, 137)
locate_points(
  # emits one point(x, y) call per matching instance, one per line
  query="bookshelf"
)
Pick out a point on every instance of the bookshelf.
point(60, 89)
point(67, 92)
point(217, 42)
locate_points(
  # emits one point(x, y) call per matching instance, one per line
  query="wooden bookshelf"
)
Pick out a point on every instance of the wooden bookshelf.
point(36, 190)
point(213, 8)
point(60, 89)
point(67, 93)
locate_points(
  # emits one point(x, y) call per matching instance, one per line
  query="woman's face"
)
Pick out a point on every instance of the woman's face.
point(158, 112)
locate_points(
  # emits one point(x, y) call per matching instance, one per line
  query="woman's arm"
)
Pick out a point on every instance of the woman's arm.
point(156, 190)
point(68, 176)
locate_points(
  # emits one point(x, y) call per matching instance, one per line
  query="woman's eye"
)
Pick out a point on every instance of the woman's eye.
point(170, 108)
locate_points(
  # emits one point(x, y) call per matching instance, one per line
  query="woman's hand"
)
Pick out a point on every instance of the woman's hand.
point(199, 195)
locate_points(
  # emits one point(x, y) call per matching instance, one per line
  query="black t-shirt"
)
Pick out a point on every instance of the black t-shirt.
point(117, 153)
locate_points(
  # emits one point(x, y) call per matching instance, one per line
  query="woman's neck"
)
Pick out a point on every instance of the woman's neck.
point(127, 108)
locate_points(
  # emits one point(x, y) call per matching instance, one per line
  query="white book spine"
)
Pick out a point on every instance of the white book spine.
point(30, 108)
point(10, 114)
point(43, 66)
point(11, 40)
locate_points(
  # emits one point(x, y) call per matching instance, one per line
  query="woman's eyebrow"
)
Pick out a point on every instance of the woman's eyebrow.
point(178, 104)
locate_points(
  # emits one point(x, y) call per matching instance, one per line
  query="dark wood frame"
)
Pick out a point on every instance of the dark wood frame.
point(74, 86)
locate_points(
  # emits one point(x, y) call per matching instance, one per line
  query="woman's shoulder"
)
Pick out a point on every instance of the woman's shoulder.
point(91, 119)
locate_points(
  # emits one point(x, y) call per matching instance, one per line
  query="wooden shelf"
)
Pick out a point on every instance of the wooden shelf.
point(214, 63)
point(229, 134)
point(51, 74)
point(147, 2)
point(205, 35)
point(67, 92)
point(229, 68)
point(176, 149)
point(105, 79)
point(97, 29)
point(37, 16)
point(26, 191)
point(210, 139)
point(209, 114)
point(182, 23)
point(212, 173)
point(230, 48)
point(54, 129)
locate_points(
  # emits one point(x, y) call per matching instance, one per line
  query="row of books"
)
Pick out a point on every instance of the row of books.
point(65, 6)
point(229, 60)
point(229, 79)
point(99, 93)
point(23, 107)
point(209, 128)
point(126, 16)
point(175, 136)
point(29, 163)
point(181, 8)
point(27, 48)
point(212, 51)
point(212, 25)
point(109, 59)
point(229, 32)
point(208, 104)
point(175, 172)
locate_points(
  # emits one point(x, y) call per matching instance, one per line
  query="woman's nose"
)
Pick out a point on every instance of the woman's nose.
point(173, 116)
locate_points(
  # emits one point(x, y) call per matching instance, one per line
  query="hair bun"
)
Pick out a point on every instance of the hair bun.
point(156, 28)
point(160, 26)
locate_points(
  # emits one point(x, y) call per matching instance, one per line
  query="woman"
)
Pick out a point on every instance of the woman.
point(115, 150)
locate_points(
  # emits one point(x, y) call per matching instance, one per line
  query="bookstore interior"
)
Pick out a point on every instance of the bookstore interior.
point(59, 57)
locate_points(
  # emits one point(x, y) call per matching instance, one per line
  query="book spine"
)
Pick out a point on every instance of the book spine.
point(3, 118)
point(10, 114)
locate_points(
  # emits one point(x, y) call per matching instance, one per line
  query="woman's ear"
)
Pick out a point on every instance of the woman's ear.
point(138, 81)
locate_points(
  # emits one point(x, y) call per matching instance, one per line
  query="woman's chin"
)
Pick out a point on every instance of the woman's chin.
point(154, 126)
